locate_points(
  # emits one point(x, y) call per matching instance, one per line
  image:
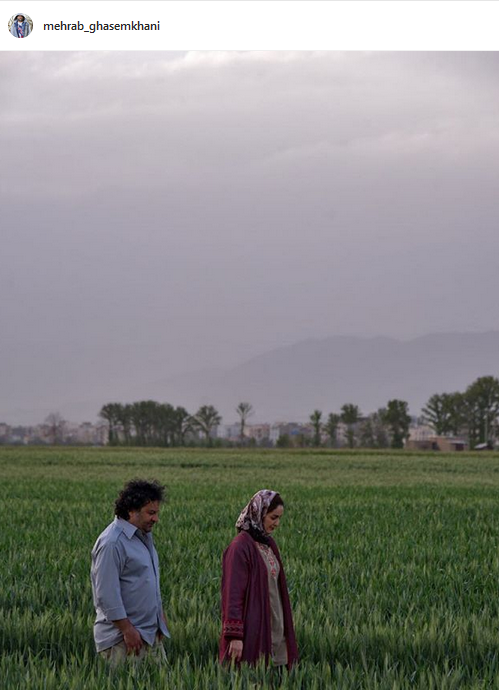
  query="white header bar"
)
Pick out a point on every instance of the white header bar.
point(251, 25)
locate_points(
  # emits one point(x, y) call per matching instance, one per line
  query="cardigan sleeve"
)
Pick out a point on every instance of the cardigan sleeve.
point(235, 578)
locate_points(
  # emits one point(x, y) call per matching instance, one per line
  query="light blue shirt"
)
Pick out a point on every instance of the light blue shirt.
point(125, 584)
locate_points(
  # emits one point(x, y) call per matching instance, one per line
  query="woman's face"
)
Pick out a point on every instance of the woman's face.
point(272, 519)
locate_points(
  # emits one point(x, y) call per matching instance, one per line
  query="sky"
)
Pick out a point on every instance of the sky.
point(167, 212)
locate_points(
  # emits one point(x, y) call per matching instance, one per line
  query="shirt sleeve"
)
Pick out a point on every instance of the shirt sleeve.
point(106, 574)
point(235, 578)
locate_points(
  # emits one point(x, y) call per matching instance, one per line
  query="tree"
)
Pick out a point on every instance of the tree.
point(55, 424)
point(244, 410)
point(146, 423)
point(164, 424)
point(315, 420)
point(284, 441)
point(482, 409)
point(144, 416)
point(302, 440)
point(181, 425)
point(111, 413)
point(124, 419)
point(373, 431)
point(445, 413)
point(350, 415)
point(205, 419)
point(457, 413)
point(396, 416)
point(331, 428)
point(437, 412)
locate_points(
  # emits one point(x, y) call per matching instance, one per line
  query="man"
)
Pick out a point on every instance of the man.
point(125, 578)
point(20, 27)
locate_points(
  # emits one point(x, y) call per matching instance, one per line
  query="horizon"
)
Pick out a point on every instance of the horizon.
point(302, 419)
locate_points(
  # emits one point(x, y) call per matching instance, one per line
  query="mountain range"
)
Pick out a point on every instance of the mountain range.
point(285, 384)
point(290, 382)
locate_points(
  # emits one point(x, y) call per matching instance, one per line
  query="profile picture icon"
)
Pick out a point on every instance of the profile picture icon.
point(20, 25)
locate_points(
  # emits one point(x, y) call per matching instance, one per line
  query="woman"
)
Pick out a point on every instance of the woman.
point(256, 613)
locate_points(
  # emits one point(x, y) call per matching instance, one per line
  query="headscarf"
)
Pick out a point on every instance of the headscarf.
point(251, 517)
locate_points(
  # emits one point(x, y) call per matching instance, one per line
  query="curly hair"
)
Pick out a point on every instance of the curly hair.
point(136, 494)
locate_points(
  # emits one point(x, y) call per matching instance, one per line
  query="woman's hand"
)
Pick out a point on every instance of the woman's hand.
point(236, 650)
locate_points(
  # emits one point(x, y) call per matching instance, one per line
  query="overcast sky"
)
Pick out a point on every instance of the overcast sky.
point(191, 210)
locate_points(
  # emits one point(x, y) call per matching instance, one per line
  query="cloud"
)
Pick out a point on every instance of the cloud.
point(220, 203)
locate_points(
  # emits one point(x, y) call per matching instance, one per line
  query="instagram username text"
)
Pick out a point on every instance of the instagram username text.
point(97, 26)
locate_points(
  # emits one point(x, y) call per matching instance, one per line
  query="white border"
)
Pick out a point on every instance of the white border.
point(263, 25)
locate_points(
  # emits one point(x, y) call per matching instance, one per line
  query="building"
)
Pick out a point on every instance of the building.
point(421, 432)
point(4, 432)
point(292, 429)
point(439, 443)
point(257, 432)
point(230, 432)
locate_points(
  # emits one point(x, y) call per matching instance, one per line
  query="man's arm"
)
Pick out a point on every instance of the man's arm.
point(106, 567)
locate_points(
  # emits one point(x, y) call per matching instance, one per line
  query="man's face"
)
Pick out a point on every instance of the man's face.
point(146, 517)
point(20, 18)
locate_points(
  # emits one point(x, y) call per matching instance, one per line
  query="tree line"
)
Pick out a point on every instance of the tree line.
point(472, 414)
point(387, 427)
point(149, 423)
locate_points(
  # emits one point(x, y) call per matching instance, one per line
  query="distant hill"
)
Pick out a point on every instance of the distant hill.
point(284, 384)
point(290, 382)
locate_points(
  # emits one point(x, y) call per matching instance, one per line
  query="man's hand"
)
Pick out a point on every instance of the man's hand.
point(236, 650)
point(131, 635)
point(132, 639)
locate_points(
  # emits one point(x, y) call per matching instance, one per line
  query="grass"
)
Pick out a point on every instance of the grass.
point(391, 560)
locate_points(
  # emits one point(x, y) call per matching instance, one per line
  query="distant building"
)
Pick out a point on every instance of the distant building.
point(228, 431)
point(342, 433)
point(42, 434)
point(257, 432)
point(440, 443)
point(20, 435)
point(421, 432)
point(292, 429)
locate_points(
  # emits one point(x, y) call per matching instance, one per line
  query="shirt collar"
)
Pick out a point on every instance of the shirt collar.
point(126, 526)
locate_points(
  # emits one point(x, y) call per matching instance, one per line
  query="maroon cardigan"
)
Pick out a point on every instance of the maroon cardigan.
point(246, 602)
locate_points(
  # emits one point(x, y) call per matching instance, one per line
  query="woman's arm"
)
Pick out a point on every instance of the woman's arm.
point(235, 578)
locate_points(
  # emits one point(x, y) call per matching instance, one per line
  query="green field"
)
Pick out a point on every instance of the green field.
point(392, 563)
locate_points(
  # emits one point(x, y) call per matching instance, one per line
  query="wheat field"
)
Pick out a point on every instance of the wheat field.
point(391, 559)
